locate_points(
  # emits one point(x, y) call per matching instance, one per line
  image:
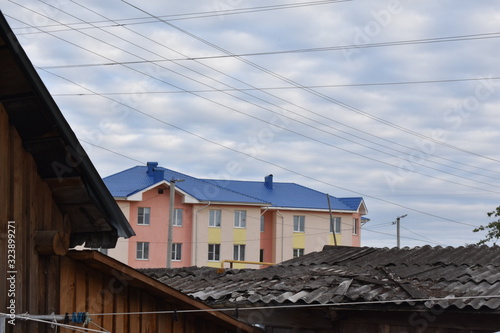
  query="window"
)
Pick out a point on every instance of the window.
point(214, 219)
point(298, 252)
point(177, 251)
point(143, 215)
point(298, 223)
point(336, 224)
point(355, 227)
point(240, 219)
point(142, 252)
point(239, 252)
point(262, 223)
point(261, 256)
point(177, 218)
point(213, 252)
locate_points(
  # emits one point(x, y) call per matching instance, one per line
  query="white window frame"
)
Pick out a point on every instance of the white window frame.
point(142, 251)
point(299, 223)
point(176, 251)
point(214, 218)
point(337, 224)
point(355, 227)
point(262, 223)
point(143, 215)
point(298, 253)
point(213, 252)
point(239, 252)
point(178, 215)
point(240, 219)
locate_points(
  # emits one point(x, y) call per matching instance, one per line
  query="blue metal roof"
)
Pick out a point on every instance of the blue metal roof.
point(284, 195)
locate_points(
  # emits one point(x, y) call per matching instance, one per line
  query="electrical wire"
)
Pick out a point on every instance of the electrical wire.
point(292, 306)
point(407, 130)
point(184, 16)
point(404, 237)
point(419, 235)
point(314, 92)
point(297, 306)
point(349, 151)
point(71, 327)
point(346, 150)
point(256, 88)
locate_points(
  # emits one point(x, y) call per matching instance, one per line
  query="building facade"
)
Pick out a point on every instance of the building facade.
point(215, 220)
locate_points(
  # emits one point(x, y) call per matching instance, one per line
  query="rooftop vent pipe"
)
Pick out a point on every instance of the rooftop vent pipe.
point(268, 182)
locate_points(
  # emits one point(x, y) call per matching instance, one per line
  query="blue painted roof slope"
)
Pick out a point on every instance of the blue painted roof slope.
point(136, 179)
point(284, 195)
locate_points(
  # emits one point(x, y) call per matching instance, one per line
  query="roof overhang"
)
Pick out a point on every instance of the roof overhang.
point(62, 163)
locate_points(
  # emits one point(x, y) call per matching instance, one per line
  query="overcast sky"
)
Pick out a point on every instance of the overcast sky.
point(395, 101)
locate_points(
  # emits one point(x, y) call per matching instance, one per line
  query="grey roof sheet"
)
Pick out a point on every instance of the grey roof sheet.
point(349, 274)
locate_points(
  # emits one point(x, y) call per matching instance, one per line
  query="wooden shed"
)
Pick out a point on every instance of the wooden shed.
point(52, 199)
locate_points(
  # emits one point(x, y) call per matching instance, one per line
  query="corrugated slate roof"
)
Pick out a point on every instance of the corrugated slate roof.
point(349, 274)
point(283, 195)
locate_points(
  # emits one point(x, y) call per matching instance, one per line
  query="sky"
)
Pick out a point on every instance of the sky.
point(395, 101)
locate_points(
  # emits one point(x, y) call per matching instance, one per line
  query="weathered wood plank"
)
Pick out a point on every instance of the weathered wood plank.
point(120, 305)
point(19, 206)
point(94, 301)
point(178, 323)
point(67, 286)
point(134, 320)
point(108, 302)
point(5, 195)
point(148, 321)
point(164, 322)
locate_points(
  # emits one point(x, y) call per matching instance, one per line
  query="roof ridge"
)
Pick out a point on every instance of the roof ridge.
point(120, 172)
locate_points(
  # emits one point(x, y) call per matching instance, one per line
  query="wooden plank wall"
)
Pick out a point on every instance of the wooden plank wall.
point(26, 199)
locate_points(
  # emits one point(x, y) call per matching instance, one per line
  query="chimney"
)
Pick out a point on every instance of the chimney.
point(157, 174)
point(268, 182)
point(151, 167)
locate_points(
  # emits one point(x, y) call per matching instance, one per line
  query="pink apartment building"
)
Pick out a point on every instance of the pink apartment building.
point(216, 220)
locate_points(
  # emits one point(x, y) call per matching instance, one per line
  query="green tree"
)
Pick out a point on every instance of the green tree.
point(493, 228)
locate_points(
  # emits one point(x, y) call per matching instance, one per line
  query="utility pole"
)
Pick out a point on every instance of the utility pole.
point(171, 220)
point(332, 226)
point(397, 227)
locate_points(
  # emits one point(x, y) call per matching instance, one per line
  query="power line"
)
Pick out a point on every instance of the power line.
point(297, 133)
point(256, 88)
point(314, 92)
point(405, 237)
point(419, 235)
point(183, 16)
point(223, 145)
point(287, 306)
